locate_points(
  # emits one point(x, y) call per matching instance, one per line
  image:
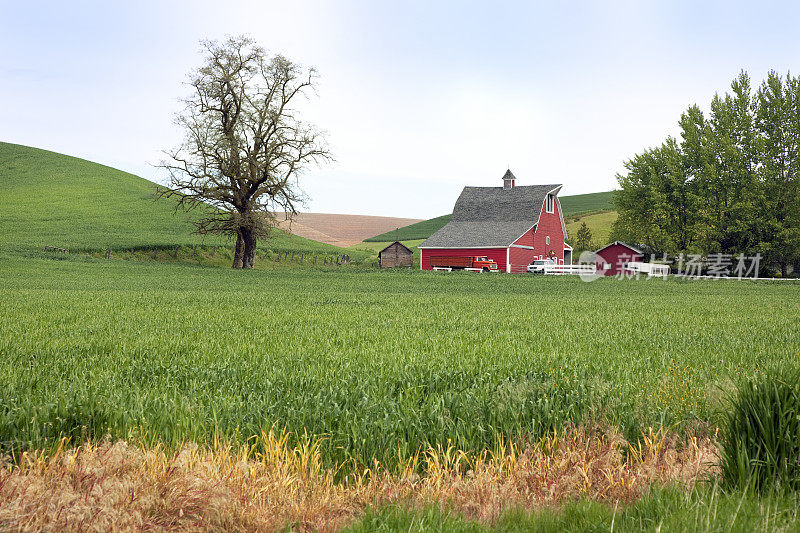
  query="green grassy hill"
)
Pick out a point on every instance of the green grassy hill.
point(599, 224)
point(572, 205)
point(50, 199)
point(587, 203)
point(419, 230)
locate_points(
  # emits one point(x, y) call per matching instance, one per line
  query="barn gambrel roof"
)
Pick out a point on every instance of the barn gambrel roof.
point(486, 217)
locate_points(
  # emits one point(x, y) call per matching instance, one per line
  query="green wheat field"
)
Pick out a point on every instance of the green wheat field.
point(373, 361)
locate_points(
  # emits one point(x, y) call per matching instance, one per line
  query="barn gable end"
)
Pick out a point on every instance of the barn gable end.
point(396, 255)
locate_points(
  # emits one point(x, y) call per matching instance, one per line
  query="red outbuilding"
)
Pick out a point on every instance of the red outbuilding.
point(510, 225)
point(611, 259)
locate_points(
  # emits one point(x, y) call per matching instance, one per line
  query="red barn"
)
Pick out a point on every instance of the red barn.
point(511, 225)
point(613, 257)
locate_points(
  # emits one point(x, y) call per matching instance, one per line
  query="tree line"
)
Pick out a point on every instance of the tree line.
point(729, 185)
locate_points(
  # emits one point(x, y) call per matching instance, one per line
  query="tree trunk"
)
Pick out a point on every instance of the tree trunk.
point(249, 254)
point(238, 253)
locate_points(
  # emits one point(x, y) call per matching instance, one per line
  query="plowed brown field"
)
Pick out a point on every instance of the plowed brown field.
point(340, 230)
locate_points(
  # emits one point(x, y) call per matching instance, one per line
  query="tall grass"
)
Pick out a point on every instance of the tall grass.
point(266, 484)
point(760, 445)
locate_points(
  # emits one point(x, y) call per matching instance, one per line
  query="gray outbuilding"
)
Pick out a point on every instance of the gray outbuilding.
point(395, 255)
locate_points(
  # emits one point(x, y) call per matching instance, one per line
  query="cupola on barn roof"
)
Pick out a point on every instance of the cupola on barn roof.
point(508, 180)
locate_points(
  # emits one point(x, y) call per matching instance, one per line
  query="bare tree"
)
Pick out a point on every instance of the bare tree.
point(245, 146)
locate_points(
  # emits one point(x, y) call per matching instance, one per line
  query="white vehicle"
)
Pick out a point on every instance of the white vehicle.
point(537, 267)
point(651, 269)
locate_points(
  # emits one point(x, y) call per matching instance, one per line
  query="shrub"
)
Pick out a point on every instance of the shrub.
point(760, 444)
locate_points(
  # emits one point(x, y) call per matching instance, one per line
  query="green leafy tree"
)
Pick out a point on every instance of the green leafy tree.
point(730, 185)
point(654, 202)
point(583, 238)
point(730, 190)
point(778, 119)
point(634, 200)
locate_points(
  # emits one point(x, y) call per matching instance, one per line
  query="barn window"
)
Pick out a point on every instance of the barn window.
point(549, 203)
point(547, 240)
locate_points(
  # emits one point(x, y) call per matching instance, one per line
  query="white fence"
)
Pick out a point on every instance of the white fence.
point(560, 270)
point(651, 269)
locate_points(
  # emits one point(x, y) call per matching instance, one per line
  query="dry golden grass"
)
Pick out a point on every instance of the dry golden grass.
point(115, 486)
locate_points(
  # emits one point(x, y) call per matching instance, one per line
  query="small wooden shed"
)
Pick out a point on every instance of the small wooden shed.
point(395, 255)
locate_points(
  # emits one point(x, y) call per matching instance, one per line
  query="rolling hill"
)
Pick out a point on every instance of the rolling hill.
point(572, 205)
point(341, 230)
point(587, 203)
point(420, 230)
point(58, 200)
point(599, 224)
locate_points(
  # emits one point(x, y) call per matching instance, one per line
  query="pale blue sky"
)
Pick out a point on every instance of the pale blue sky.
point(418, 98)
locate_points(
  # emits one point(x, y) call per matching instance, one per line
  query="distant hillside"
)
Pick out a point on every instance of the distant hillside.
point(572, 205)
point(341, 230)
point(420, 230)
point(58, 200)
point(586, 203)
point(598, 223)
